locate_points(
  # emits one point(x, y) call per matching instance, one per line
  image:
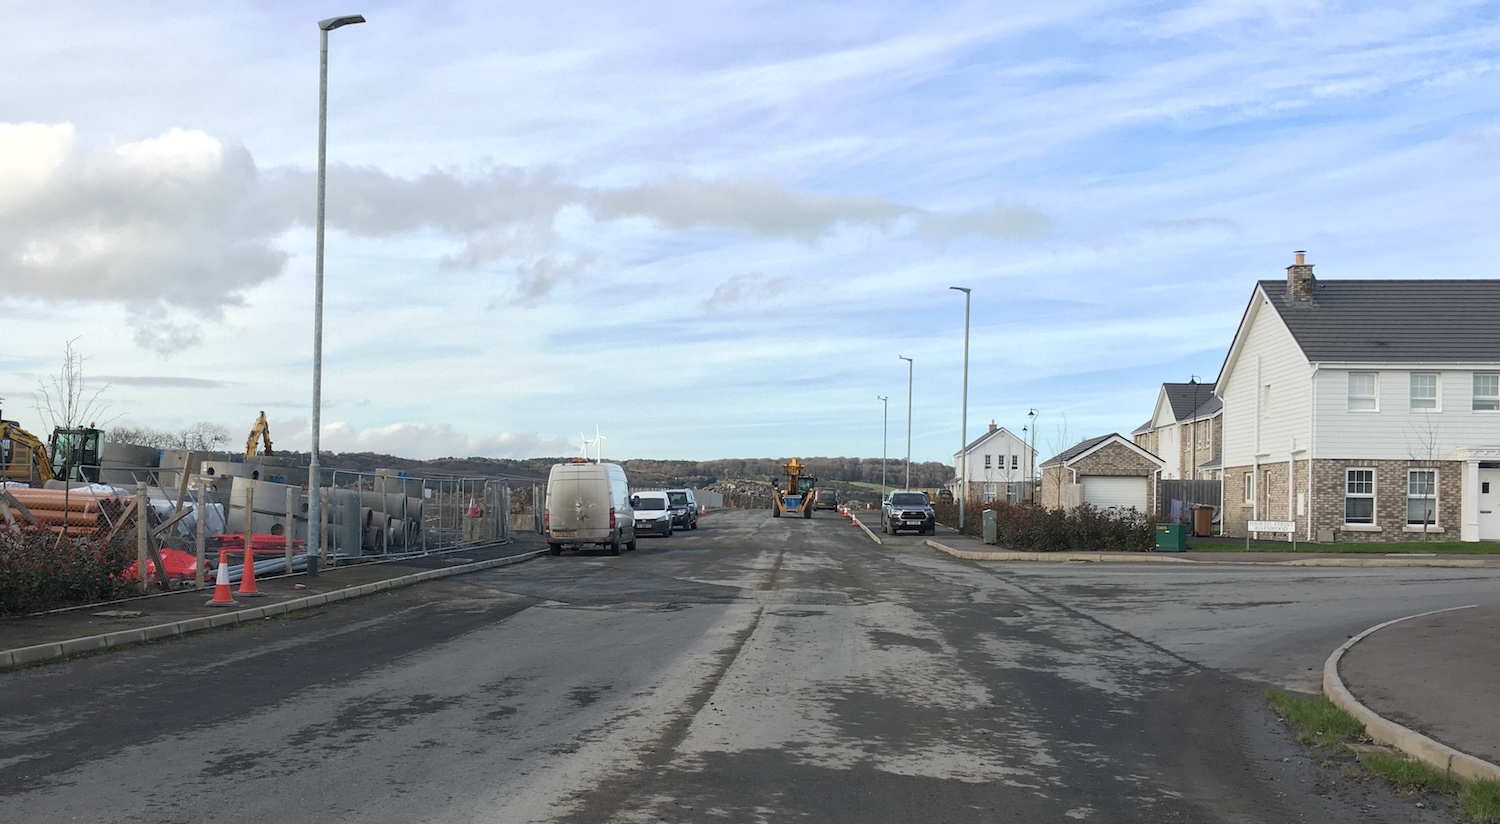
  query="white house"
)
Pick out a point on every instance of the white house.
point(999, 464)
point(1365, 410)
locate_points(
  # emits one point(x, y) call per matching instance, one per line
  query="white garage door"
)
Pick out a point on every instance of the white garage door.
point(1106, 491)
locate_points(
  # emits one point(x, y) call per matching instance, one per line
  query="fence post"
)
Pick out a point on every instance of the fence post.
point(291, 525)
point(201, 538)
point(142, 535)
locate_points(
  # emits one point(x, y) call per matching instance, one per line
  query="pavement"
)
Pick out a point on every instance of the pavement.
point(64, 633)
point(1423, 684)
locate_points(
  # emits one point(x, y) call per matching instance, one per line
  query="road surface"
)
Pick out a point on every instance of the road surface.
point(754, 670)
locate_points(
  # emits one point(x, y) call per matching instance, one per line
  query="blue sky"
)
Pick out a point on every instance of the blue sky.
point(709, 230)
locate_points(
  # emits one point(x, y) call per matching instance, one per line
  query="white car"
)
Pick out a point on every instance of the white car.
point(653, 513)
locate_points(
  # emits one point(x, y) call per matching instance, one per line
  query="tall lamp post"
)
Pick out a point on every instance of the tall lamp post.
point(963, 427)
point(885, 421)
point(909, 366)
point(314, 481)
point(1031, 458)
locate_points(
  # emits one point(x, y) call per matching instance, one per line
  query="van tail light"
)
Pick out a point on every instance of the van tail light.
point(546, 520)
point(611, 517)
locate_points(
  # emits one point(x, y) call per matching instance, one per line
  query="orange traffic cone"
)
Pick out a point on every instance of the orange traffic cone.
point(222, 596)
point(247, 578)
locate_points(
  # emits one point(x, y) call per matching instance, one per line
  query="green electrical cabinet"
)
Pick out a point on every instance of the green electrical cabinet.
point(1171, 538)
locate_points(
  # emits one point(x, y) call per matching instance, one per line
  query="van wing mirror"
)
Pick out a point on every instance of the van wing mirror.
point(635, 500)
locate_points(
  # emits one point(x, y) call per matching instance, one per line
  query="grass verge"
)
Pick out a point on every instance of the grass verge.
point(1319, 723)
point(1481, 801)
point(1323, 726)
point(1401, 548)
point(1409, 776)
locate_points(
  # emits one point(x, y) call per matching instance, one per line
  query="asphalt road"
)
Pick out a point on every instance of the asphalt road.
point(754, 670)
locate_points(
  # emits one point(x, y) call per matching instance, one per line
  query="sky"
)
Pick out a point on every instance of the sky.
point(710, 230)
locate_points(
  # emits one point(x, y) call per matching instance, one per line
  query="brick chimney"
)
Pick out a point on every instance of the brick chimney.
point(1299, 279)
point(992, 425)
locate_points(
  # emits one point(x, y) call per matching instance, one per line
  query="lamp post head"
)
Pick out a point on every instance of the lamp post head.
point(339, 22)
point(963, 289)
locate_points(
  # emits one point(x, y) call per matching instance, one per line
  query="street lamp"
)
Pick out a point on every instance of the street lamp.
point(909, 366)
point(963, 427)
point(1031, 458)
point(314, 482)
point(885, 420)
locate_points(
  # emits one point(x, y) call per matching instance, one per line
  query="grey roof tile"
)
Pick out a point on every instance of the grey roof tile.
point(1394, 321)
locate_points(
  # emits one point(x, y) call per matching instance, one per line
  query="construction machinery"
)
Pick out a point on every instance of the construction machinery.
point(797, 498)
point(261, 431)
point(72, 454)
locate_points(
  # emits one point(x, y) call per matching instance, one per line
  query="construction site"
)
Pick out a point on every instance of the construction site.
point(84, 519)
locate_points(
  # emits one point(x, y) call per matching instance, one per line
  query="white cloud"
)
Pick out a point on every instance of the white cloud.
point(425, 441)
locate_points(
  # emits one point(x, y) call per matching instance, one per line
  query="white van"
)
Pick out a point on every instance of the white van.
point(588, 504)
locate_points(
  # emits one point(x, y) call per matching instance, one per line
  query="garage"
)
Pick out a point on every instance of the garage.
point(1107, 472)
point(1115, 492)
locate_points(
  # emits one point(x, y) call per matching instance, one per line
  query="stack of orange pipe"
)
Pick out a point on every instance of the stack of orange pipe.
point(52, 506)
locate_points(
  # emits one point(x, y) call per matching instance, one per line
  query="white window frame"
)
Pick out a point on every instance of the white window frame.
point(1419, 403)
point(1015, 461)
point(1249, 488)
point(989, 492)
point(1360, 495)
point(1430, 495)
point(1362, 402)
point(1487, 401)
point(986, 461)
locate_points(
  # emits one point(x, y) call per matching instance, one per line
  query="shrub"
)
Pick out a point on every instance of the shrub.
point(1034, 528)
point(39, 572)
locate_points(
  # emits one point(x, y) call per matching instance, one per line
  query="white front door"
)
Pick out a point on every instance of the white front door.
point(1489, 504)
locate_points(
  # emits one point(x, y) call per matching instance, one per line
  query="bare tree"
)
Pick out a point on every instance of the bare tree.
point(65, 400)
point(1421, 447)
point(204, 437)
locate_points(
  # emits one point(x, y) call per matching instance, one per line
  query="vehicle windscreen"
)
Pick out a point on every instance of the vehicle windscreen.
point(908, 499)
point(652, 503)
point(677, 498)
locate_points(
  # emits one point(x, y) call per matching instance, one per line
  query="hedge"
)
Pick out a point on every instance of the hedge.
point(1034, 528)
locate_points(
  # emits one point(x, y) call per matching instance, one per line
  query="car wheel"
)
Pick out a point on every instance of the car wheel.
point(695, 524)
point(614, 547)
point(556, 549)
point(630, 547)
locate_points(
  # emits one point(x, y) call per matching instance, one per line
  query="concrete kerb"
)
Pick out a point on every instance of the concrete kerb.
point(1158, 558)
point(1440, 756)
point(9, 659)
point(1058, 557)
point(866, 530)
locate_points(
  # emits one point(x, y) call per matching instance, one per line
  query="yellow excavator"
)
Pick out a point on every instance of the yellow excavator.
point(797, 498)
point(73, 454)
point(261, 431)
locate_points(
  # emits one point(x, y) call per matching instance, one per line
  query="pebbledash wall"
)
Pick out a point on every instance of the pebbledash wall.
point(1325, 506)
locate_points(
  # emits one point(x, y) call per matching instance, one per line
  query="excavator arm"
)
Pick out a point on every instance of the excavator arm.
point(261, 431)
point(23, 457)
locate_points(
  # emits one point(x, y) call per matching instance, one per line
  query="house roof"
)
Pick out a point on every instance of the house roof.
point(1084, 447)
point(1192, 400)
point(984, 436)
point(1393, 321)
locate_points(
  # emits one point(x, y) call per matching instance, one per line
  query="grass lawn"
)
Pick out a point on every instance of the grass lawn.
point(1403, 548)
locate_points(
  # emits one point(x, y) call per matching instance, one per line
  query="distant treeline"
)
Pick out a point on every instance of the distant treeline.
point(645, 472)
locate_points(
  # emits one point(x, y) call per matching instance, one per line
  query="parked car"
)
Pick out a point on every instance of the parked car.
point(588, 504)
point(825, 498)
point(653, 513)
point(907, 510)
point(684, 508)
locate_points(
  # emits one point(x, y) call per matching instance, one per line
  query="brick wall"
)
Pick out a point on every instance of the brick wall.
point(1115, 459)
point(1326, 506)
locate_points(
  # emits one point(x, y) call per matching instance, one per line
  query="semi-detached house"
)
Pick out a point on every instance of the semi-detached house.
point(1365, 410)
